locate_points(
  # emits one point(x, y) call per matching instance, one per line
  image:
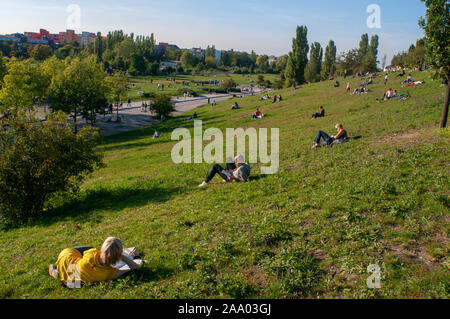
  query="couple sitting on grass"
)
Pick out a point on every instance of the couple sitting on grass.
point(340, 137)
point(88, 264)
point(238, 171)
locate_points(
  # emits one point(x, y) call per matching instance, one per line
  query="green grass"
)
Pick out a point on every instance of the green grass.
point(309, 231)
point(142, 83)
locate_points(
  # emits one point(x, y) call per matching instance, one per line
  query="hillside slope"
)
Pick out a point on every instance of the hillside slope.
point(309, 231)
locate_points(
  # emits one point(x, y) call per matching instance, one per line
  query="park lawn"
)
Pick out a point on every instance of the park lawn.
point(309, 231)
point(142, 83)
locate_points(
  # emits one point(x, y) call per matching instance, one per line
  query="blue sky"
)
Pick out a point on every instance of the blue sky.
point(267, 26)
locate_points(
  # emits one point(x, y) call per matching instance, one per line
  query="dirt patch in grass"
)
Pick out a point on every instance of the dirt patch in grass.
point(256, 276)
point(418, 254)
point(410, 138)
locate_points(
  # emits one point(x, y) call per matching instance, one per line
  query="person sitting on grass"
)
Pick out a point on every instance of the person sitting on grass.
point(92, 265)
point(156, 134)
point(409, 79)
point(257, 115)
point(389, 94)
point(235, 106)
point(340, 137)
point(321, 113)
point(337, 84)
point(238, 171)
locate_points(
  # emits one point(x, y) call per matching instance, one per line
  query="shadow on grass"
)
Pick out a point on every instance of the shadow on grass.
point(83, 206)
point(256, 178)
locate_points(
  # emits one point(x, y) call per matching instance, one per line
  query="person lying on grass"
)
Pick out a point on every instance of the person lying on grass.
point(321, 113)
point(340, 137)
point(257, 115)
point(413, 83)
point(92, 265)
point(238, 171)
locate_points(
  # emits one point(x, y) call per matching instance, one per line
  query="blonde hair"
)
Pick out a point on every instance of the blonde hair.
point(111, 250)
point(339, 125)
point(239, 159)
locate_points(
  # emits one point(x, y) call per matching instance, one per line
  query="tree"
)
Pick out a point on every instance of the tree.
point(138, 64)
point(162, 105)
point(80, 89)
point(211, 62)
point(314, 66)
point(98, 45)
point(118, 88)
point(262, 63)
point(281, 63)
point(374, 43)
point(39, 160)
point(348, 62)
point(437, 33)
point(188, 59)
point(383, 61)
point(363, 48)
point(210, 51)
point(329, 63)
point(22, 86)
point(3, 69)
point(41, 52)
point(298, 57)
point(228, 84)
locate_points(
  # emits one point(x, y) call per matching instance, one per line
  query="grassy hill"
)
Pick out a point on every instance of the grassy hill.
point(309, 231)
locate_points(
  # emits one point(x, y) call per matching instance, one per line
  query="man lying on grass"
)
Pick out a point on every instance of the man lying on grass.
point(340, 137)
point(238, 171)
point(88, 264)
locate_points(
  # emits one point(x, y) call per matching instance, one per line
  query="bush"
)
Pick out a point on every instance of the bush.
point(219, 90)
point(191, 92)
point(228, 84)
point(162, 105)
point(39, 160)
point(148, 95)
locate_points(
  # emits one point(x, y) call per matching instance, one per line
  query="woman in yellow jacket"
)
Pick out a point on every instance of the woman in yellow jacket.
point(87, 264)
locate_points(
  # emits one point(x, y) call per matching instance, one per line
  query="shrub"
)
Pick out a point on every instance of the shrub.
point(148, 95)
point(38, 160)
point(162, 105)
point(228, 84)
point(220, 90)
point(181, 91)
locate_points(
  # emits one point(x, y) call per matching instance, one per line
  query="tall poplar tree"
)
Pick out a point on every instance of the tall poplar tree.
point(314, 66)
point(298, 58)
point(329, 63)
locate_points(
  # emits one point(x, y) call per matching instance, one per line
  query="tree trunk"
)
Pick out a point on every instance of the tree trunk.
point(445, 109)
point(75, 120)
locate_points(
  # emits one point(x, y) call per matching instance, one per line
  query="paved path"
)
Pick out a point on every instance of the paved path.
point(133, 117)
